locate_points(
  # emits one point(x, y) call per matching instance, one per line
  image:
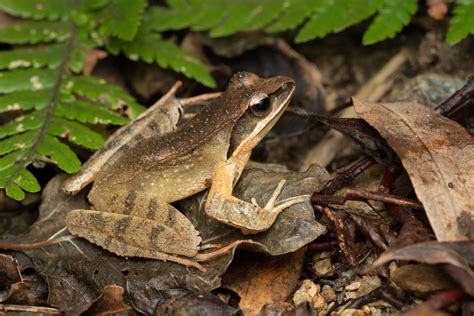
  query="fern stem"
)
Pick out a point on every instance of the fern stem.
point(68, 47)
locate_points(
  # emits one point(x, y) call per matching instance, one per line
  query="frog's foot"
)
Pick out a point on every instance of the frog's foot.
point(249, 217)
point(204, 257)
point(271, 206)
point(271, 210)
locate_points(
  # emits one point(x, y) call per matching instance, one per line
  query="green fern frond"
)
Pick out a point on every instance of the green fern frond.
point(316, 18)
point(121, 18)
point(252, 16)
point(293, 15)
point(462, 23)
point(49, 56)
point(152, 48)
point(49, 9)
point(52, 105)
point(334, 16)
point(33, 32)
point(104, 93)
point(220, 17)
point(391, 18)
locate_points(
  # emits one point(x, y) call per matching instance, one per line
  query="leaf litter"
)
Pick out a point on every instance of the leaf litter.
point(437, 154)
point(74, 267)
point(79, 274)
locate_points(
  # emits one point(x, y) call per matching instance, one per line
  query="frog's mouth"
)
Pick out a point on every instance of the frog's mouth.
point(253, 129)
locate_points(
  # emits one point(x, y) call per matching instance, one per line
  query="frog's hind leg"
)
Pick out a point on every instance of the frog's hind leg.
point(152, 229)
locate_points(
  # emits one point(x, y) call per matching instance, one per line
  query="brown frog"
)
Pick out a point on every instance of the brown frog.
point(132, 195)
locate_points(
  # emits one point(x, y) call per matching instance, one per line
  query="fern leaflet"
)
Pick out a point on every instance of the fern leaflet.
point(391, 18)
point(462, 23)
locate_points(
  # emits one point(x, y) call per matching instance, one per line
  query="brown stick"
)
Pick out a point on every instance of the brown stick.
point(347, 176)
point(360, 194)
point(200, 98)
point(38, 245)
point(457, 99)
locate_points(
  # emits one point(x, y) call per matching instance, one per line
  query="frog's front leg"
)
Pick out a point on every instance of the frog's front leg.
point(226, 208)
point(156, 230)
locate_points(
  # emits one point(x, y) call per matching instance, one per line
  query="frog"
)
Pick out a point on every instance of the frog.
point(132, 197)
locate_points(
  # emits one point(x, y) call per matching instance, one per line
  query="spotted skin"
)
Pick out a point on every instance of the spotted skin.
point(132, 194)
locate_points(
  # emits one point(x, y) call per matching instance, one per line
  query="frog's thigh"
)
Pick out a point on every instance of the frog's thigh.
point(135, 235)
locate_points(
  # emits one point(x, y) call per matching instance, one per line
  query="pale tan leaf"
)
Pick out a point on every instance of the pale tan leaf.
point(260, 280)
point(438, 155)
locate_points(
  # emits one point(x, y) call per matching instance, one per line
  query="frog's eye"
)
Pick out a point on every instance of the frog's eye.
point(261, 107)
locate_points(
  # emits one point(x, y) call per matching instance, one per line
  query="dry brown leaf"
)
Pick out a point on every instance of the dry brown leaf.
point(260, 280)
point(110, 302)
point(457, 254)
point(93, 56)
point(438, 155)
point(190, 303)
point(437, 9)
point(78, 266)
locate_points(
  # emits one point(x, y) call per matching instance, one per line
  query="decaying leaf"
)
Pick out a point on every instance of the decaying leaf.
point(260, 280)
point(110, 302)
point(438, 156)
point(92, 57)
point(293, 228)
point(80, 267)
point(457, 254)
point(16, 289)
point(184, 303)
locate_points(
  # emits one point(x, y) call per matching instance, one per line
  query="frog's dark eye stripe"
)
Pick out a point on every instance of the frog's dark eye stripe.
point(261, 107)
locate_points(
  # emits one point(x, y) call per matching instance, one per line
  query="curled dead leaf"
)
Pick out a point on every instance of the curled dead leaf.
point(260, 280)
point(438, 155)
point(457, 254)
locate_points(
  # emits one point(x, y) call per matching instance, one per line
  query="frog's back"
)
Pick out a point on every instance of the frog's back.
point(171, 167)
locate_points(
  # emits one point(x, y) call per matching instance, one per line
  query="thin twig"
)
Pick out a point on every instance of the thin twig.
point(361, 195)
point(38, 245)
point(200, 98)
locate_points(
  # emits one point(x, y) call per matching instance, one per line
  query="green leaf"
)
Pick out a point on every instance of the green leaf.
point(25, 100)
point(110, 95)
point(222, 17)
point(15, 192)
point(16, 142)
point(86, 112)
point(334, 16)
point(122, 18)
point(27, 79)
point(49, 9)
point(76, 133)
point(59, 153)
point(151, 47)
point(33, 32)
point(27, 181)
point(22, 123)
point(294, 14)
point(462, 23)
point(50, 56)
point(7, 163)
point(45, 90)
point(391, 17)
point(252, 16)
point(161, 19)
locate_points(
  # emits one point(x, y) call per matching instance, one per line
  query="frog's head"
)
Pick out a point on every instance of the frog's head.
point(262, 101)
